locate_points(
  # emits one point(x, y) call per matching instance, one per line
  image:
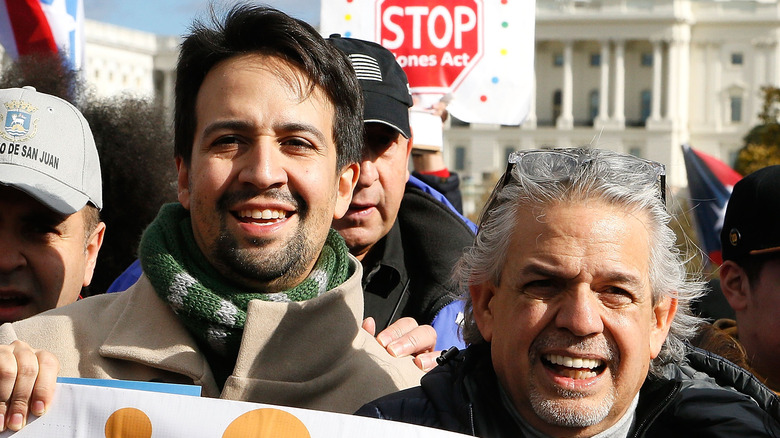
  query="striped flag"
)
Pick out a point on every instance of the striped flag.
point(477, 54)
point(43, 26)
point(709, 182)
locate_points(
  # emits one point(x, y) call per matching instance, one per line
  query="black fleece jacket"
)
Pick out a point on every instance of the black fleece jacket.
point(707, 397)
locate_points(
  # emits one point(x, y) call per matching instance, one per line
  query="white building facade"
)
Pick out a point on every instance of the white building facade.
point(637, 76)
point(120, 60)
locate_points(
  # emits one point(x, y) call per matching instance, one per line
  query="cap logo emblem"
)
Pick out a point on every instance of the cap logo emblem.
point(366, 68)
point(18, 124)
point(734, 237)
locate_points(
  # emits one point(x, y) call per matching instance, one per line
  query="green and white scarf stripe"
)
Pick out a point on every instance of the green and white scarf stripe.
point(212, 309)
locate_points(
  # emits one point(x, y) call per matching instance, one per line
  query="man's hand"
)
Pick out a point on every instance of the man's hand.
point(28, 378)
point(406, 338)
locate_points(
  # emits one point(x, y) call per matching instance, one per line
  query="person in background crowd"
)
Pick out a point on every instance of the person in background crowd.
point(750, 276)
point(50, 200)
point(134, 140)
point(428, 156)
point(578, 316)
point(406, 240)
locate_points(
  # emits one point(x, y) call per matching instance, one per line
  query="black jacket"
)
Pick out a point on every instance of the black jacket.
point(709, 397)
point(407, 273)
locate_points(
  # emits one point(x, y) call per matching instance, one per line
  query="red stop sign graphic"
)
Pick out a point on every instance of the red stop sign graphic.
point(437, 42)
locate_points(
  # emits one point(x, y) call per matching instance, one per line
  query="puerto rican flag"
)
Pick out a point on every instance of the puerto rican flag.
point(43, 26)
point(709, 182)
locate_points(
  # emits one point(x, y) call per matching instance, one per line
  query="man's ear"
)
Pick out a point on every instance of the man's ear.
point(184, 182)
point(663, 315)
point(481, 298)
point(346, 185)
point(94, 243)
point(734, 284)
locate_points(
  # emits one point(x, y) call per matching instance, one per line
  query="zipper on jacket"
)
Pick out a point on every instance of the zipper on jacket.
point(640, 430)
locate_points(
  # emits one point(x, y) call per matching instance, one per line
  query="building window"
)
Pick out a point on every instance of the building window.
point(556, 107)
point(460, 158)
point(733, 157)
point(594, 104)
point(647, 59)
point(737, 58)
point(557, 59)
point(158, 82)
point(595, 59)
point(736, 108)
point(646, 100)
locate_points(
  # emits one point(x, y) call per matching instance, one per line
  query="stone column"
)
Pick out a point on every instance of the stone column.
point(672, 82)
point(530, 120)
point(762, 75)
point(603, 115)
point(771, 67)
point(619, 115)
point(655, 109)
point(566, 119)
point(169, 84)
point(716, 70)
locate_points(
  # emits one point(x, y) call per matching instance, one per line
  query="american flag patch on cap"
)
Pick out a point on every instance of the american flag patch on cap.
point(366, 67)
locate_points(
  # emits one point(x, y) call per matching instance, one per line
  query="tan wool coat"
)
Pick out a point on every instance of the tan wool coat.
point(310, 354)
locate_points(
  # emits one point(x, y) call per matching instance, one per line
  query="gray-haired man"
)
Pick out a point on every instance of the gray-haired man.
point(578, 315)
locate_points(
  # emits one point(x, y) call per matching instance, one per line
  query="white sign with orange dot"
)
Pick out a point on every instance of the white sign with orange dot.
point(97, 412)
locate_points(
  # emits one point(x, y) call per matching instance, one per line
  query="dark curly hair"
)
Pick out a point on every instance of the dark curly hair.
point(135, 143)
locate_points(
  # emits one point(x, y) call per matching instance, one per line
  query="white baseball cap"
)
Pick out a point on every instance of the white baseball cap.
point(47, 150)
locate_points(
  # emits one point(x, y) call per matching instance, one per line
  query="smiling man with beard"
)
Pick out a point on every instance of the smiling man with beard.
point(246, 290)
point(578, 316)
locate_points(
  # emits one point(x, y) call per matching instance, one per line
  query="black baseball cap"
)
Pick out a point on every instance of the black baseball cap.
point(384, 83)
point(752, 222)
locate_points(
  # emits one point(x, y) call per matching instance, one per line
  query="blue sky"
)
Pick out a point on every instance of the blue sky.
point(171, 17)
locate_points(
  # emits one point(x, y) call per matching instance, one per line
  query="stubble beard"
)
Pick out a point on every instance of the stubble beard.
point(253, 263)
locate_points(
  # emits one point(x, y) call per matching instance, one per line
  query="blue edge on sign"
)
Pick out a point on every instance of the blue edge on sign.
point(169, 388)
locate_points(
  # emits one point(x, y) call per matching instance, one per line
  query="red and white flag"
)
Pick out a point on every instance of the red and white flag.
point(481, 52)
point(43, 26)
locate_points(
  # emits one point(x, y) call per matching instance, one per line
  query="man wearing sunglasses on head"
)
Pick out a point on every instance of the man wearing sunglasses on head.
point(578, 316)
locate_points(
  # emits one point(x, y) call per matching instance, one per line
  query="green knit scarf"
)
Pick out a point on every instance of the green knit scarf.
point(212, 309)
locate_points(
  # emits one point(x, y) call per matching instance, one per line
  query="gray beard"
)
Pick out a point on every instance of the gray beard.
point(556, 412)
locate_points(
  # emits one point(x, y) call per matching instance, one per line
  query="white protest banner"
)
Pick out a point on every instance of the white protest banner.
point(96, 412)
point(479, 51)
